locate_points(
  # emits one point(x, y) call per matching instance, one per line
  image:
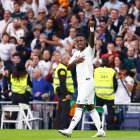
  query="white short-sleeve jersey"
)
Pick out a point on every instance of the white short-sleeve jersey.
point(17, 34)
point(85, 69)
point(6, 51)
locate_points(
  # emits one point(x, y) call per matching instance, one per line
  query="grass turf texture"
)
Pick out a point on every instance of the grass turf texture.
point(54, 135)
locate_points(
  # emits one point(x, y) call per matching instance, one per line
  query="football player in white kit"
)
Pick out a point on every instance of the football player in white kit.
point(83, 59)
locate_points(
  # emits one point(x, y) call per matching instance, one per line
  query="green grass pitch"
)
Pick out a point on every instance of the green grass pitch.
point(6, 134)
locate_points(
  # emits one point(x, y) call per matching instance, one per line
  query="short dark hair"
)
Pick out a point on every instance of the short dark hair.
point(57, 34)
point(15, 3)
point(81, 34)
point(16, 54)
point(119, 36)
point(99, 26)
point(102, 20)
point(114, 10)
point(105, 61)
point(77, 17)
point(23, 38)
point(131, 16)
point(90, 2)
point(12, 37)
point(5, 34)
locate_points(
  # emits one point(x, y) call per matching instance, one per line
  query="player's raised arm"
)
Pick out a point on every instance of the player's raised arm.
point(91, 37)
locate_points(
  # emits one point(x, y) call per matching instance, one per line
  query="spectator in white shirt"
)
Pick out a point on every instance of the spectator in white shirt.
point(135, 8)
point(8, 5)
point(23, 5)
point(36, 5)
point(125, 87)
point(113, 4)
point(32, 4)
point(32, 64)
point(130, 21)
point(4, 23)
point(89, 8)
point(5, 48)
point(45, 63)
point(61, 44)
point(55, 60)
point(36, 33)
point(15, 29)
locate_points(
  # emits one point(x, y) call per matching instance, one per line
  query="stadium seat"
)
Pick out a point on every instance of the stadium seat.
point(86, 116)
point(131, 121)
point(27, 116)
point(7, 111)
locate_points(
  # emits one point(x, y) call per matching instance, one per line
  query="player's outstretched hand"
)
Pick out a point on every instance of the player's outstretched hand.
point(91, 22)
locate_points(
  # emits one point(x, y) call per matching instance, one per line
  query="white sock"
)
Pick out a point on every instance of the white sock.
point(76, 118)
point(96, 119)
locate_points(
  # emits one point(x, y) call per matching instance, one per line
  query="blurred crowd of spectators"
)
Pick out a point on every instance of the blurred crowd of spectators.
point(37, 32)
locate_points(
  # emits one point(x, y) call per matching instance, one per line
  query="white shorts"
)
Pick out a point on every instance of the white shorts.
point(86, 93)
